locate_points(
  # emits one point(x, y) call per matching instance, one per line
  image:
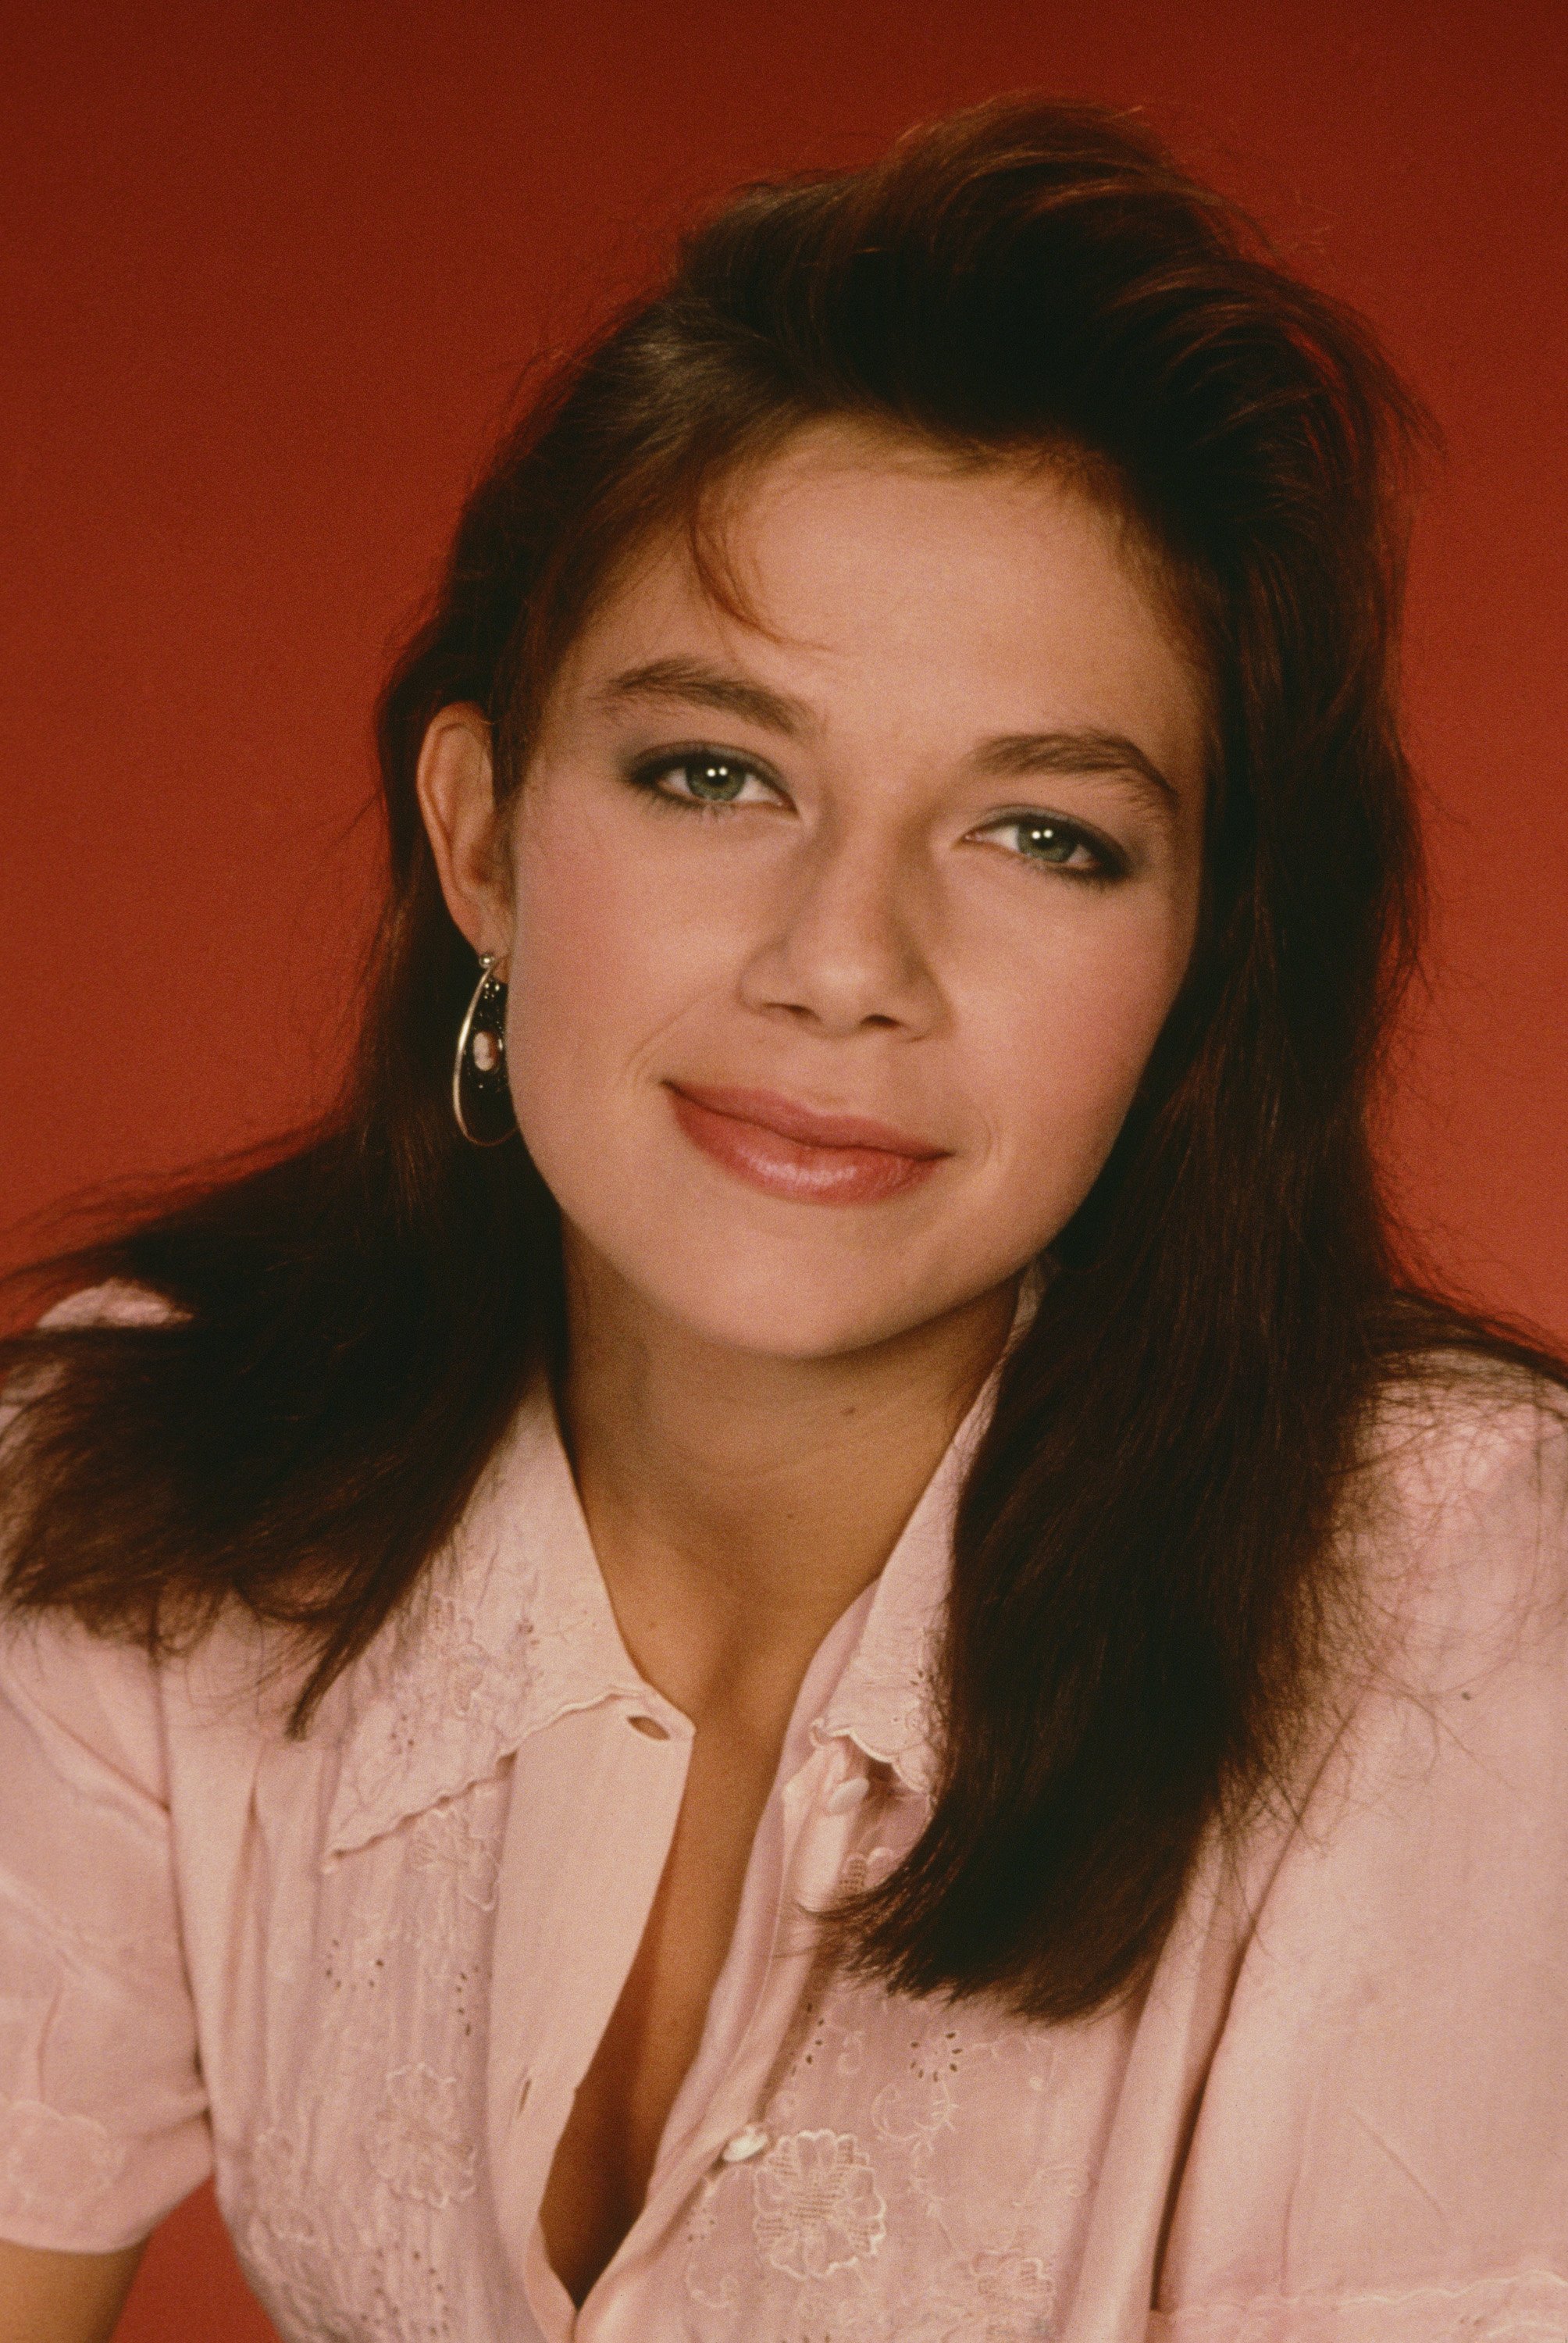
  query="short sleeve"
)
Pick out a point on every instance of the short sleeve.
point(103, 2115)
point(1380, 2152)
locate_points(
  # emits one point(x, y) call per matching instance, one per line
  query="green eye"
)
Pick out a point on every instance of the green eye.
point(1048, 844)
point(1048, 841)
point(701, 781)
point(712, 779)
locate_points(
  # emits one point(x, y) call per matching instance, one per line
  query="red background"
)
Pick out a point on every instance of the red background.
point(270, 272)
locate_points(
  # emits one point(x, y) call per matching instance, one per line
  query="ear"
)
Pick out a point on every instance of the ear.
point(455, 784)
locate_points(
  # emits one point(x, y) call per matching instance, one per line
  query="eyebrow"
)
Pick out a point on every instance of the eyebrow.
point(693, 682)
point(1079, 751)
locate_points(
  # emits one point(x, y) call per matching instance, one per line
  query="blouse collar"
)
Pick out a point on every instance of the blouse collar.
point(513, 1628)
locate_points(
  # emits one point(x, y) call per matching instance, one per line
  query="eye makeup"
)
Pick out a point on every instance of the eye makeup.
point(1063, 847)
point(1059, 839)
point(704, 768)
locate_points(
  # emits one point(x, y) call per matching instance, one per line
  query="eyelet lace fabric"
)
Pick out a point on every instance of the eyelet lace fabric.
point(354, 2204)
point(862, 2223)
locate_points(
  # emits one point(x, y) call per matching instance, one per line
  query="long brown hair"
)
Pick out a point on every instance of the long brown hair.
point(1145, 1544)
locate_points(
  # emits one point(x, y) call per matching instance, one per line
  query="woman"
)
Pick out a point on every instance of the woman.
point(802, 1638)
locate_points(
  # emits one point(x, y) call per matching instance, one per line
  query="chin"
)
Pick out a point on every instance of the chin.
point(815, 1320)
point(787, 1311)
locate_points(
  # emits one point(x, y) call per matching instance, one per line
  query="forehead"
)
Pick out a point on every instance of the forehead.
point(855, 564)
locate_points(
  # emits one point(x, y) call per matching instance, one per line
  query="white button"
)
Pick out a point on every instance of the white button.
point(847, 1794)
point(650, 1725)
point(750, 2142)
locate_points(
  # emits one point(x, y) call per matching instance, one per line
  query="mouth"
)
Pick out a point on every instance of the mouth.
point(801, 1153)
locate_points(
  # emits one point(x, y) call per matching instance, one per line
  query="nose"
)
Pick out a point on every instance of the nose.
point(846, 941)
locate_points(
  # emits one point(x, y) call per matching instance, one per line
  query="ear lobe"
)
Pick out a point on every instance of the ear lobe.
point(455, 783)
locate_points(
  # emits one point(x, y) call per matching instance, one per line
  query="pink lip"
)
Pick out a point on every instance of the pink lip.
point(805, 1169)
point(793, 1120)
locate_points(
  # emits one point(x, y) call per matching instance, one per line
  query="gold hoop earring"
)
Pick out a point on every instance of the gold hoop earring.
point(481, 1096)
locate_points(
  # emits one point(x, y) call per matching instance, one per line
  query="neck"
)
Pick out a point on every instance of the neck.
point(738, 1502)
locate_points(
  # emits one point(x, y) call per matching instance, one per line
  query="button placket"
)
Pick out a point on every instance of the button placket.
point(731, 2133)
point(568, 1926)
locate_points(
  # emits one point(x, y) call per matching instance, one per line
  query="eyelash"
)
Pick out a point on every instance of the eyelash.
point(644, 776)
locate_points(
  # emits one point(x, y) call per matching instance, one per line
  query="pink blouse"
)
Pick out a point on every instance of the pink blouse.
point(360, 1977)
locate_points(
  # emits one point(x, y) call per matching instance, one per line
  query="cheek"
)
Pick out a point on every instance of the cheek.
point(574, 932)
point(569, 970)
point(1060, 1053)
point(602, 961)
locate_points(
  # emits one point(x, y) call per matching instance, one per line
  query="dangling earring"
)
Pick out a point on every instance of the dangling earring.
point(481, 1096)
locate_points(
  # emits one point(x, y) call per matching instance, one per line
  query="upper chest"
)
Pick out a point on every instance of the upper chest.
point(446, 1986)
point(620, 2108)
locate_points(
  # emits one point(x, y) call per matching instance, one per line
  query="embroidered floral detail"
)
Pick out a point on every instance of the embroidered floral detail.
point(923, 2101)
point(444, 1678)
point(867, 1870)
point(456, 1865)
point(291, 2301)
point(1010, 2298)
point(52, 2160)
point(416, 2142)
point(868, 2227)
point(468, 1668)
point(816, 2205)
point(879, 1682)
point(334, 2273)
point(429, 1716)
point(815, 2044)
point(700, 2224)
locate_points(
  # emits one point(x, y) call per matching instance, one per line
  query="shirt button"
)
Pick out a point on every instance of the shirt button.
point(650, 1725)
point(847, 1794)
point(750, 2142)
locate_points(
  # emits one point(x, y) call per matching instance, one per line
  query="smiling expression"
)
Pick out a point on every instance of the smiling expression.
point(916, 842)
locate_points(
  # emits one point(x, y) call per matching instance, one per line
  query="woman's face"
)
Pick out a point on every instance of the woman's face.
point(920, 846)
